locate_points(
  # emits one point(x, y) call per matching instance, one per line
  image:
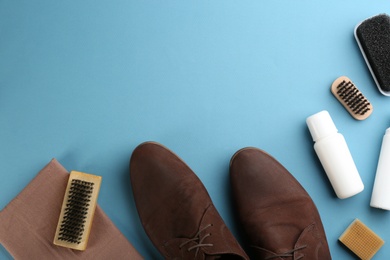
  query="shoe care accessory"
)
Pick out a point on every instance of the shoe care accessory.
point(361, 240)
point(28, 223)
point(351, 98)
point(335, 157)
point(373, 38)
point(381, 193)
point(77, 212)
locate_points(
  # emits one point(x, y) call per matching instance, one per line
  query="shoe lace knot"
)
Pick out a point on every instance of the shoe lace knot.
point(198, 240)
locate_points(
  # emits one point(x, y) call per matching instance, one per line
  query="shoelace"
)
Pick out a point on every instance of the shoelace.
point(197, 239)
point(285, 254)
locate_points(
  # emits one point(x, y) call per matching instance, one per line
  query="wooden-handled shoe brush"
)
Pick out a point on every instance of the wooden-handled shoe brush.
point(351, 98)
point(78, 208)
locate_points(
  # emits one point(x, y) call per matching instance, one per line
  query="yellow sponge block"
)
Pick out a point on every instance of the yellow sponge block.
point(361, 240)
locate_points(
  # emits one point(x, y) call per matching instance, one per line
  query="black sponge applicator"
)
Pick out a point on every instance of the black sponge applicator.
point(373, 38)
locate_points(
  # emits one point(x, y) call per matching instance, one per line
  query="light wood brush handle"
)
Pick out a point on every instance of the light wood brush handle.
point(78, 208)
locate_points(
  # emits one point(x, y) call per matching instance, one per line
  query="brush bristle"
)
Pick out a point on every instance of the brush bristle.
point(373, 37)
point(77, 210)
point(351, 98)
point(73, 223)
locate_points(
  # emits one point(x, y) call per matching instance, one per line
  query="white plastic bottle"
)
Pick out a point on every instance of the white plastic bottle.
point(334, 155)
point(381, 193)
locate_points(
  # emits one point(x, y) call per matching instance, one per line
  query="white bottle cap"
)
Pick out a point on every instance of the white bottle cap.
point(320, 125)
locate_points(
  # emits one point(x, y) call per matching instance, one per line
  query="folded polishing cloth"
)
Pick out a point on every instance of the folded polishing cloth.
point(28, 223)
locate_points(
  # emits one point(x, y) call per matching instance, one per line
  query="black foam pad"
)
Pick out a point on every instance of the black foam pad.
point(373, 36)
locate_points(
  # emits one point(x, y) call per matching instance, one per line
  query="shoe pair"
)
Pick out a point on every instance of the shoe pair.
point(277, 215)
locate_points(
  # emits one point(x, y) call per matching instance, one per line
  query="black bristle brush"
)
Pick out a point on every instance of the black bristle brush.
point(351, 98)
point(373, 38)
point(77, 211)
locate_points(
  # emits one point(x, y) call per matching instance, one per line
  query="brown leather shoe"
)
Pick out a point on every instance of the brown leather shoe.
point(175, 208)
point(277, 215)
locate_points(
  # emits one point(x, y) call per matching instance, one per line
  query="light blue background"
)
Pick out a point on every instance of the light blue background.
point(87, 81)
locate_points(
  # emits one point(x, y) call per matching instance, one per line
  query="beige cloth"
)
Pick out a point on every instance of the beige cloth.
point(29, 221)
